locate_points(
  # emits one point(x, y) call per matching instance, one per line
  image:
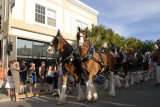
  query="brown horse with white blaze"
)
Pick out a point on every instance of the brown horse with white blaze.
point(69, 64)
point(94, 63)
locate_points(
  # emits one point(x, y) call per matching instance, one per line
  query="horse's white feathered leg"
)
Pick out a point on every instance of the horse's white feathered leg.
point(106, 86)
point(112, 90)
point(119, 85)
point(89, 91)
point(148, 74)
point(126, 82)
point(137, 77)
point(140, 76)
point(81, 96)
point(94, 93)
point(132, 79)
point(145, 76)
point(152, 76)
point(62, 97)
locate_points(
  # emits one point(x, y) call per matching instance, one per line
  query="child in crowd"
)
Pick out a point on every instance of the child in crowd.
point(32, 78)
point(9, 83)
point(56, 76)
point(50, 78)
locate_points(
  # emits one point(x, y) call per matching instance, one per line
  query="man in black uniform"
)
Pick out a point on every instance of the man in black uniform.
point(156, 58)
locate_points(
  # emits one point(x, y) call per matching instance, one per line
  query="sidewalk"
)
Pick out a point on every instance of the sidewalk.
point(4, 93)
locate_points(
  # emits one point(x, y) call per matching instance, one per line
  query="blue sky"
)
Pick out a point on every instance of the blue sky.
point(129, 18)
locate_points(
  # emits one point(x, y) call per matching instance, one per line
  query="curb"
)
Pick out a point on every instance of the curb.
point(27, 95)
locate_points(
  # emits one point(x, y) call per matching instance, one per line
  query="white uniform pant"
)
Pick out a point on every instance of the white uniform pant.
point(1, 83)
point(59, 85)
point(60, 82)
point(158, 74)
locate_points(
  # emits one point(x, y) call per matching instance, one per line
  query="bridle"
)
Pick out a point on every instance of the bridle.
point(58, 40)
point(84, 38)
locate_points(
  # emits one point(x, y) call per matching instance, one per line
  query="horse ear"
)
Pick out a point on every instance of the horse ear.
point(78, 29)
point(86, 29)
point(59, 33)
point(87, 36)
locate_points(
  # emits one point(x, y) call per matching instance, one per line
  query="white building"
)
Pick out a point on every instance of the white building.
point(31, 24)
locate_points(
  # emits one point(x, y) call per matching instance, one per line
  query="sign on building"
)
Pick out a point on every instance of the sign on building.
point(12, 3)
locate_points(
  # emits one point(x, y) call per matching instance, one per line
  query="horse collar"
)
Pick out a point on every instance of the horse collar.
point(70, 58)
point(89, 54)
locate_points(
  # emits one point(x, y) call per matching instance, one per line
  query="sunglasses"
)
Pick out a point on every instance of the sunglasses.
point(158, 43)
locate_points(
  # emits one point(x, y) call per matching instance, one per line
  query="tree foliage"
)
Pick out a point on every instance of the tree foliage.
point(98, 35)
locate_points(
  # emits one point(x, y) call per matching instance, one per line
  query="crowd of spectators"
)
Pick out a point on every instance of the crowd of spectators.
point(19, 75)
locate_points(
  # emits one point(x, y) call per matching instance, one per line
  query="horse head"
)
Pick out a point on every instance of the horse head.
point(82, 37)
point(147, 56)
point(55, 43)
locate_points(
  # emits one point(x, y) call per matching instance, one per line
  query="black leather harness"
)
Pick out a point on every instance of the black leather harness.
point(71, 57)
point(89, 55)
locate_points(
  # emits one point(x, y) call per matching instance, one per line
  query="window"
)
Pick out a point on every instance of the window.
point(81, 24)
point(24, 47)
point(85, 25)
point(45, 15)
point(51, 18)
point(40, 14)
point(38, 49)
point(33, 49)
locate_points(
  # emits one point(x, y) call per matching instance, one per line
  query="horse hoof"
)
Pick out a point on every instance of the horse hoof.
point(59, 103)
point(126, 87)
point(80, 99)
point(119, 86)
point(106, 88)
point(60, 100)
point(57, 99)
point(89, 97)
point(95, 96)
point(112, 94)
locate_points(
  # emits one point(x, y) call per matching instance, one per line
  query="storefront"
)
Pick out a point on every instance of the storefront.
point(34, 51)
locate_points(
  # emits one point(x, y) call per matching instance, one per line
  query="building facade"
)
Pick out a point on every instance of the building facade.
point(30, 25)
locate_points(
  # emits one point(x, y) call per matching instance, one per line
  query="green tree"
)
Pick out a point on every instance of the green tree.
point(97, 35)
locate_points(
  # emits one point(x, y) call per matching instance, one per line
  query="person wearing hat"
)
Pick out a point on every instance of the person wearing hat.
point(42, 75)
point(156, 58)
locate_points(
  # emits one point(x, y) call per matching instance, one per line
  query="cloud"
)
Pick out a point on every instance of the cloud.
point(130, 11)
point(138, 18)
point(120, 29)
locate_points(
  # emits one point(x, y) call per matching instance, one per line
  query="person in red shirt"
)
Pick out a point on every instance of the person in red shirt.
point(1, 74)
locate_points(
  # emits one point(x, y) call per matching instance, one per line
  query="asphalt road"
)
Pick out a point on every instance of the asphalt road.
point(145, 94)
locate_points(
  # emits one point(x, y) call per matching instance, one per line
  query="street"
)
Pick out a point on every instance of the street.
point(145, 94)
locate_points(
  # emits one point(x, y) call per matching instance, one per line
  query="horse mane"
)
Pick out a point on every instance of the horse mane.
point(65, 52)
